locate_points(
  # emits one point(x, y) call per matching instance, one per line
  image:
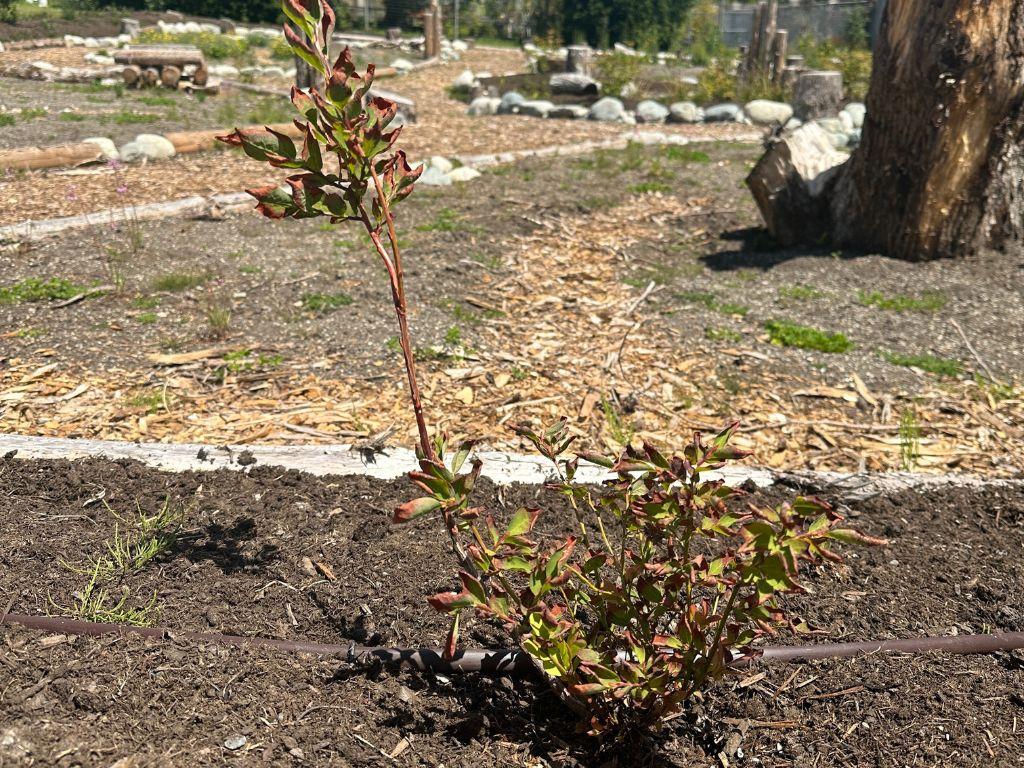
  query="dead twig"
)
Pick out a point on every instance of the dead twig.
point(974, 353)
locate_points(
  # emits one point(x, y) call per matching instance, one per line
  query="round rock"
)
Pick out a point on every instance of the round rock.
point(723, 113)
point(765, 112)
point(649, 111)
point(608, 110)
point(685, 112)
point(510, 103)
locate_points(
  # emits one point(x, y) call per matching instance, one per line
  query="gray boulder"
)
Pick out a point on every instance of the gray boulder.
point(723, 113)
point(649, 111)
point(464, 173)
point(536, 108)
point(147, 146)
point(105, 145)
point(569, 112)
point(685, 112)
point(608, 110)
point(856, 111)
point(764, 112)
point(464, 81)
point(510, 103)
point(434, 177)
point(483, 105)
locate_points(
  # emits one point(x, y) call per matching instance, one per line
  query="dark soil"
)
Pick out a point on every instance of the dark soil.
point(460, 237)
point(35, 24)
point(953, 566)
point(76, 112)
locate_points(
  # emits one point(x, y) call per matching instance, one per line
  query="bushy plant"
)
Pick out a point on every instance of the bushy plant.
point(8, 11)
point(616, 70)
point(663, 588)
point(664, 585)
point(214, 46)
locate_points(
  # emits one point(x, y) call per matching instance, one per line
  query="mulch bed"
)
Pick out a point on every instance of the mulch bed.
point(543, 267)
point(442, 127)
point(282, 554)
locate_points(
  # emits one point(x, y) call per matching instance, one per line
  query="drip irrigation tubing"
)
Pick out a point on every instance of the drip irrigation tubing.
point(506, 661)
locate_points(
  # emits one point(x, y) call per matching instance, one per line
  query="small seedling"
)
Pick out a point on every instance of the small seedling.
point(321, 303)
point(722, 334)
point(712, 302)
point(784, 334)
point(910, 441)
point(650, 187)
point(175, 282)
point(218, 316)
point(940, 366)
point(927, 302)
point(33, 289)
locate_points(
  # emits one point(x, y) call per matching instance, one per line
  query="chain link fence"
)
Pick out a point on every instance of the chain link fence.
point(822, 21)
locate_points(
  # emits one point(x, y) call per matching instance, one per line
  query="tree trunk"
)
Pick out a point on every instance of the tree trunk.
point(940, 170)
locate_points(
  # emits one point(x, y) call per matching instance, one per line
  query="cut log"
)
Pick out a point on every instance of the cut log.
point(36, 158)
point(160, 55)
point(818, 94)
point(201, 77)
point(791, 185)
point(940, 170)
point(573, 83)
point(579, 59)
point(150, 77)
point(132, 75)
point(170, 76)
point(779, 55)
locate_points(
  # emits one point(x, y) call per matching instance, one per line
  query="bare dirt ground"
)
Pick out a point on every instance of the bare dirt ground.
point(282, 554)
point(442, 128)
point(544, 288)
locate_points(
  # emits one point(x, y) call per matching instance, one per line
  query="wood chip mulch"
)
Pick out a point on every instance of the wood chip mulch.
point(442, 128)
point(564, 336)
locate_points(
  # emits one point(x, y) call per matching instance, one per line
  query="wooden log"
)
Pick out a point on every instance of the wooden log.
point(150, 77)
point(36, 158)
point(791, 185)
point(779, 55)
point(769, 26)
point(818, 94)
point(132, 75)
point(201, 77)
point(158, 56)
point(579, 59)
point(199, 141)
point(170, 76)
point(754, 53)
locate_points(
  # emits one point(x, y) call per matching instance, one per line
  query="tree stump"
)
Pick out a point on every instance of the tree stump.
point(579, 59)
point(132, 75)
point(818, 94)
point(201, 76)
point(791, 185)
point(150, 77)
point(393, 34)
point(170, 76)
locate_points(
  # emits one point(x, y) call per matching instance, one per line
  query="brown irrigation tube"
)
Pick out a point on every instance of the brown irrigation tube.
point(510, 662)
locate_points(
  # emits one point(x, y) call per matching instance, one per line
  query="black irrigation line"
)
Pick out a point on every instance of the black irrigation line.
point(510, 662)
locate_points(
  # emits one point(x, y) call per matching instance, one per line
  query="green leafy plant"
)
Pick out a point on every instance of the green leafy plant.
point(662, 589)
point(941, 366)
point(33, 289)
point(910, 440)
point(325, 302)
point(664, 585)
point(930, 301)
point(786, 334)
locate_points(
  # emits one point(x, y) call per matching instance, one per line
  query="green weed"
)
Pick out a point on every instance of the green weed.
point(33, 289)
point(787, 334)
point(940, 366)
point(174, 282)
point(927, 302)
point(325, 302)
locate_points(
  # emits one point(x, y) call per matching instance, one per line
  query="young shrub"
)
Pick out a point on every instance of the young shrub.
point(664, 586)
point(662, 589)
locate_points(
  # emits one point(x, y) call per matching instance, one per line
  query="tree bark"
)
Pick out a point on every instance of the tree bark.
point(940, 170)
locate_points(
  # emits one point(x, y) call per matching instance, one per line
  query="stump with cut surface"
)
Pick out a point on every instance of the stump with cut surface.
point(818, 94)
point(791, 183)
point(940, 168)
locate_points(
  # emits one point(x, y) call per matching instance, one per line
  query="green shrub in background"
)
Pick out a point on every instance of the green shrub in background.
point(213, 46)
point(615, 70)
point(8, 11)
point(702, 35)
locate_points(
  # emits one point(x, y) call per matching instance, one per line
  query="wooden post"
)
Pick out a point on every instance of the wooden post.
point(430, 45)
point(770, 24)
point(754, 54)
point(781, 50)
